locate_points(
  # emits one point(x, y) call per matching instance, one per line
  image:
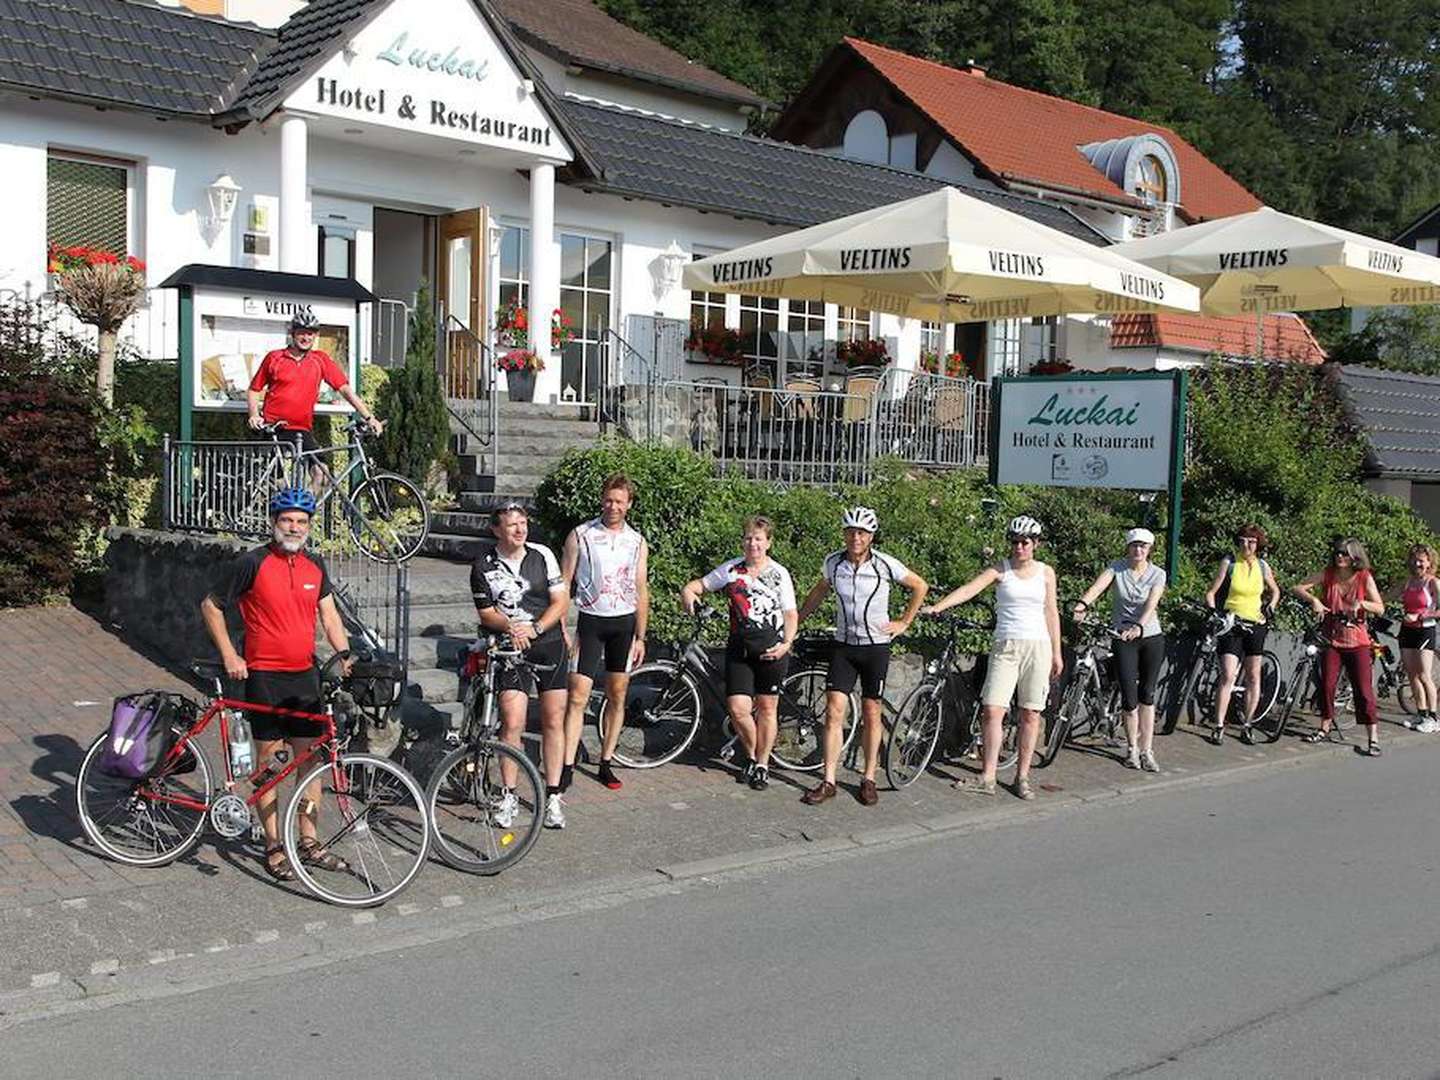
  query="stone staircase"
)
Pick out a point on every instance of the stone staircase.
point(442, 624)
point(532, 438)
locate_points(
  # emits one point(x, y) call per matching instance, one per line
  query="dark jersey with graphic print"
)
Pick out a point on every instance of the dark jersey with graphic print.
point(758, 602)
point(518, 588)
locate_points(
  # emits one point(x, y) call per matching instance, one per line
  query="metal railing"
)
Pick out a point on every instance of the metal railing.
point(389, 332)
point(790, 436)
point(468, 378)
point(627, 402)
point(224, 489)
point(152, 333)
point(932, 420)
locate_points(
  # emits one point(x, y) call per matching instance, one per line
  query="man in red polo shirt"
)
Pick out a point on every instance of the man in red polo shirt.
point(280, 589)
point(291, 378)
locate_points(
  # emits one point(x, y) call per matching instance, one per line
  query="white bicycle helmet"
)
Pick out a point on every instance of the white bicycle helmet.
point(1023, 526)
point(860, 517)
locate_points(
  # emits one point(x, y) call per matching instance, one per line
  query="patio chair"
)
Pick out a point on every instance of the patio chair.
point(950, 425)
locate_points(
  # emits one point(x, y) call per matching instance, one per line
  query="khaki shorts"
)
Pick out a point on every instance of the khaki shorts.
point(1022, 665)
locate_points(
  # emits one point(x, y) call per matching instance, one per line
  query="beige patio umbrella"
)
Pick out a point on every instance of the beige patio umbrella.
point(944, 257)
point(1267, 261)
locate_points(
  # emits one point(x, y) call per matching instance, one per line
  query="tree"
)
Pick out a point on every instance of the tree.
point(417, 425)
point(1399, 339)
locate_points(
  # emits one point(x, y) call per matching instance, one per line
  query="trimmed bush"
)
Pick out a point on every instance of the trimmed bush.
point(412, 404)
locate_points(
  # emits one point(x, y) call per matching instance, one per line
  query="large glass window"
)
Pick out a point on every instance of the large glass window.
point(1151, 183)
point(87, 204)
point(585, 277)
point(760, 331)
point(854, 325)
point(515, 265)
point(707, 308)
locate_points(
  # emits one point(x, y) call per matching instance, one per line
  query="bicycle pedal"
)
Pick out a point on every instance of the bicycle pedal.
point(727, 753)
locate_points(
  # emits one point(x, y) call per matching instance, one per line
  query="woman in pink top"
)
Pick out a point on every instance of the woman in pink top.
point(1348, 595)
point(1420, 598)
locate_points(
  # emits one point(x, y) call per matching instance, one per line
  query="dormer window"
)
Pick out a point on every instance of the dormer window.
point(1151, 182)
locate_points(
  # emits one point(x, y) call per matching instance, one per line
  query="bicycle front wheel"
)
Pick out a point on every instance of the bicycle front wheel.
point(363, 827)
point(662, 716)
point(390, 519)
point(800, 723)
point(1268, 723)
point(913, 735)
point(147, 822)
point(479, 827)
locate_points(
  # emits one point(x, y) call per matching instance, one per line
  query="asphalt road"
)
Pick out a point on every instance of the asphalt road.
point(1284, 925)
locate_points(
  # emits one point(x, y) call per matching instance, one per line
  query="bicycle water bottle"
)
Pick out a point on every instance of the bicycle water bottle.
point(242, 756)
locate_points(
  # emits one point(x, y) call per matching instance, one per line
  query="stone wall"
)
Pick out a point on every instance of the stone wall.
point(154, 582)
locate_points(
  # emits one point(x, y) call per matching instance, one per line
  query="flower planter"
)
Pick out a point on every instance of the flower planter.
point(520, 385)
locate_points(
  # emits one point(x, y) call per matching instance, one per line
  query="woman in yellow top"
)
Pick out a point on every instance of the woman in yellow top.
point(1251, 590)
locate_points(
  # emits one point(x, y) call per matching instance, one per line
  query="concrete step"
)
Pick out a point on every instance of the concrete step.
point(461, 522)
point(443, 620)
point(521, 410)
point(457, 546)
point(432, 685)
point(480, 502)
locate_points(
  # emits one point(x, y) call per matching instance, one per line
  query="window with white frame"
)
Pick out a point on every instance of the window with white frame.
point(89, 202)
point(853, 325)
point(805, 338)
point(760, 330)
point(935, 340)
point(585, 297)
point(514, 265)
point(1005, 341)
point(707, 309)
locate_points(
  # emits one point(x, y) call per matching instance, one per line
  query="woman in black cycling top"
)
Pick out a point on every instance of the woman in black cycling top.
point(762, 626)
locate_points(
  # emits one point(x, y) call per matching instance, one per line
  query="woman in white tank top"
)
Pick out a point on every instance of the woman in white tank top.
point(1025, 655)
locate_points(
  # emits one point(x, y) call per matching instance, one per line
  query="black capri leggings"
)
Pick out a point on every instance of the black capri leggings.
point(1137, 666)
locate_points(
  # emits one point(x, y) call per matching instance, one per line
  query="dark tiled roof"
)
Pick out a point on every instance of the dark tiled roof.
point(580, 32)
point(124, 54)
point(688, 165)
point(306, 40)
point(1399, 414)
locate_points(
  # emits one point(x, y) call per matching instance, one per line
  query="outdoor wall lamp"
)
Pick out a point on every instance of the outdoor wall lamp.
point(667, 268)
point(222, 195)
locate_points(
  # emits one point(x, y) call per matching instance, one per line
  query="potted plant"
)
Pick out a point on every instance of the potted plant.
point(863, 352)
point(517, 359)
point(715, 345)
point(102, 289)
point(952, 366)
point(1058, 366)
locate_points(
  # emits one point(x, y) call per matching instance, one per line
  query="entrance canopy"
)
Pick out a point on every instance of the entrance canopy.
point(1268, 261)
point(945, 257)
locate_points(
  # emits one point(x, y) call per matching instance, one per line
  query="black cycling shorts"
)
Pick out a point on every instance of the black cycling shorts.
point(748, 676)
point(308, 444)
point(1137, 669)
point(286, 690)
point(1417, 637)
point(605, 642)
point(867, 663)
point(548, 651)
point(1244, 639)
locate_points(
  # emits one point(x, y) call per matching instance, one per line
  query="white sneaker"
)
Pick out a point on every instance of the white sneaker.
point(506, 810)
point(1428, 726)
point(554, 812)
point(1132, 759)
point(1148, 762)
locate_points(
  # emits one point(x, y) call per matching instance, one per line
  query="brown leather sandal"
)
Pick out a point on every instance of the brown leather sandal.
point(279, 869)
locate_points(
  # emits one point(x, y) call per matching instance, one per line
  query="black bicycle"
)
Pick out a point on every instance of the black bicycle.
point(1089, 708)
point(1200, 690)
point(921, 717)
point(665, 705)
point(480, 823)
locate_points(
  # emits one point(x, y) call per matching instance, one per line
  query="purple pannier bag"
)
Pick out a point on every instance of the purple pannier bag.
point(141, 733)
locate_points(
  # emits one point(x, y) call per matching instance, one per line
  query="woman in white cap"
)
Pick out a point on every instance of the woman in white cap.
point(1136, 585)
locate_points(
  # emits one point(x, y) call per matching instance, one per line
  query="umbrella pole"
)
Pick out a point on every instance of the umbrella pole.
point(1259, 332)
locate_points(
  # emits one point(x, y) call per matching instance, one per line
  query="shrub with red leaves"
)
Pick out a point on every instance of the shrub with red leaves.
point(51, 466)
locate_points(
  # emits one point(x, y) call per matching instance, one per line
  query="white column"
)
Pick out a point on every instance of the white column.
point(544, 277)
point(295, 235)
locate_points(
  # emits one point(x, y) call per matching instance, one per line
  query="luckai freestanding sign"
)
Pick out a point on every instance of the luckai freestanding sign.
point(1085, 431)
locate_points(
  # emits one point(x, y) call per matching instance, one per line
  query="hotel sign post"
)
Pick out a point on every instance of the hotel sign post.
point(1110, 431)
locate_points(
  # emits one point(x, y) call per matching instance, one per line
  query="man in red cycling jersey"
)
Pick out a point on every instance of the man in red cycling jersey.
point(290, 379)
point(280, 589)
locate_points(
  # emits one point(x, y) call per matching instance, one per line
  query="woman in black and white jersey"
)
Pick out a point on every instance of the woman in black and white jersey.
point(762, 628)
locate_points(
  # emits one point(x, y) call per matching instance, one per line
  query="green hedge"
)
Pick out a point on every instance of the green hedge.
point(1269, 445)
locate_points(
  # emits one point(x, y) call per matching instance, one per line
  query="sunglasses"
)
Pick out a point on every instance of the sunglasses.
point(1021, 539)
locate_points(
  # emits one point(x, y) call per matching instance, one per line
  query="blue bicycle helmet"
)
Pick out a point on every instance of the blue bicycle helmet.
point(291, 499)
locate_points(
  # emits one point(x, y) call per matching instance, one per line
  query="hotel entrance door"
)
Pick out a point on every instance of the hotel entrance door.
point(462, 291)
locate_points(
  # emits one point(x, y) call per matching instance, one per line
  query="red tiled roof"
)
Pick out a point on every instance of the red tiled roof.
point(1286, 336)
point(585, 35)
point(1031, 137)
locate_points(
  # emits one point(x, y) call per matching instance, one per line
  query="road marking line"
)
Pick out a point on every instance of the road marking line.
point(679, 806)
point(161, 956)
point(219, 946)
point(78, 903)
point(451, 901)
point(44, 979)
point(363, 918)
point(408, 909)
point(105, 967)
point(315, 927)
point(266, 936)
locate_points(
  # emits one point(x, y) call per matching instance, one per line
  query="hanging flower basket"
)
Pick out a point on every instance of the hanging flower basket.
point(512, 333)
